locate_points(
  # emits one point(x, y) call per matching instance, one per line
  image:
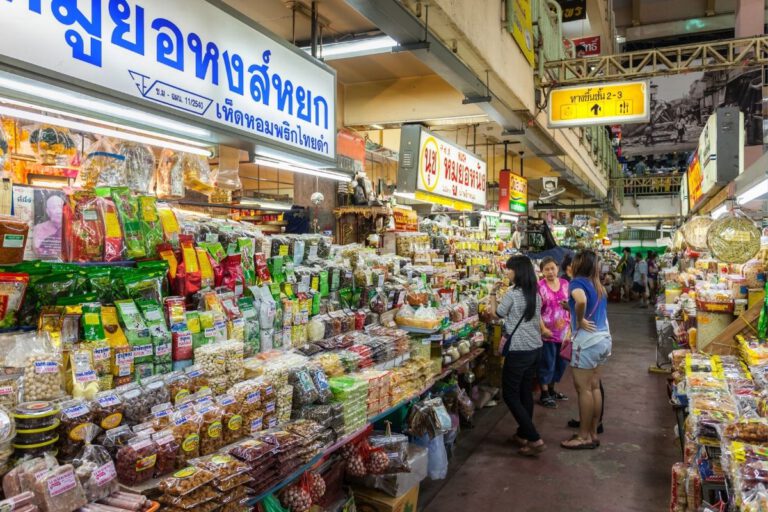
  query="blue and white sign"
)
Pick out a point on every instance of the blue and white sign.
point(186, 54)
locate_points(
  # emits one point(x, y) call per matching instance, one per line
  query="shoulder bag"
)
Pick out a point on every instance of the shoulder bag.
point(505, 350)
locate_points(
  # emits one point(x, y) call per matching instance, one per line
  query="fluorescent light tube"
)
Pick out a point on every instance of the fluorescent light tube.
point(302, 170)
point(719, 211)
point(489, 213)
point(266, 204)
point(757, 190)
point(100, 130)
point(357, 48)
point(76, 100)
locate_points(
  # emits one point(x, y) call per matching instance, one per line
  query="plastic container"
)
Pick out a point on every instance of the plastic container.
point(37, 435)
point(35, 415)
point(36, 450)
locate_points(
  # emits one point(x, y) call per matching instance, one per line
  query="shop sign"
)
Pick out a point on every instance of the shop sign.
point(198, 57)
point(350, 151)
point(615, 228)
point(518, 194)
point(520, 25)
point(406, 219)
point(573, 10)
point(590, 45)
point(449, 171)
point(504, 190)
point(694, 180)
point(684, 205)
point(599, 104)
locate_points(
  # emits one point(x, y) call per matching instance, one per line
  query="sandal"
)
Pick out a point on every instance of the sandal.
point(518, 441)
point(577, 443)
point(548, 402)
point(532, 450)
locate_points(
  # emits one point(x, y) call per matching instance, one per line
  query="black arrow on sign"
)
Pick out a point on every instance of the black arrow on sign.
point(595, 109)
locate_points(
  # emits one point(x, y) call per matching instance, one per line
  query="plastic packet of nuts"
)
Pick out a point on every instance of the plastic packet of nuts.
point(135, 461)
point(185, 425)
point(198, 378)
point(185, 481)
point(167, 449)
point(95, 468)
point(211, 431)
point(222, 466)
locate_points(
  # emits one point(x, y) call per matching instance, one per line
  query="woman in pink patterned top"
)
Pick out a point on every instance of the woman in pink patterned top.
point(556, 317)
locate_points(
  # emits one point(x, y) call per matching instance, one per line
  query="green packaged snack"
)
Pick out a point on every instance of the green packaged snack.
point(159, 335)
point(93, 330)
point(251, 318)
point(128, 212)
point(193, 324)
point(143, 284)
point(161, 368)
point(275, 266)
point(134, 328)
point(149, 223)
point(77, 299)
point(100, 283)
point(245, 245)
point(216, 250)
point(324, 288)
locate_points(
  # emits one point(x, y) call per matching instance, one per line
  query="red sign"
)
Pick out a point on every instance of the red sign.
point(504, 190)
point(350, 151)
point(590, 44)
point(405, 219)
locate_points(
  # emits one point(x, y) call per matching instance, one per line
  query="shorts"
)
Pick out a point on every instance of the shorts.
point(638, 287)
point(593, 356)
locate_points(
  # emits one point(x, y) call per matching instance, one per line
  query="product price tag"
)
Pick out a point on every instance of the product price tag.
point(109, 400)
point(61, 484)
point(6, 390)
point(256, 425)
point(162, 349)
point(253, 397)
point(124, 358)
point(105, 474)
point(46, 367)
point(142, 351)
point(101, 353)
point(86, 376)
point(75, 411)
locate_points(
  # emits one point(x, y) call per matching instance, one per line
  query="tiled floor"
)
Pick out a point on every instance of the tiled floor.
point(630, 472)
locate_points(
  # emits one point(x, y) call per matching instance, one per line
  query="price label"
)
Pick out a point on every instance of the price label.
point(101, 353)
point(61, 484)
point(105, 474)
point(46, 367)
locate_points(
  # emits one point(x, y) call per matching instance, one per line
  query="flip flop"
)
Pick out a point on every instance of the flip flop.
point(583, 445)
point(518, 441)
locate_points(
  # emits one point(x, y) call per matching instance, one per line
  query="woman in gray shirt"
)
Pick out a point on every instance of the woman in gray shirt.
point(520, 308)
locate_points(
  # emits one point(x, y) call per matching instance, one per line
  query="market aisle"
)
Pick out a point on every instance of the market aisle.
point(630, 472)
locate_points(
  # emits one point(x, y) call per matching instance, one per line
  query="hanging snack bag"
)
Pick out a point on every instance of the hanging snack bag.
point(113, 234)
point(95, 468)
point(188, 277)
point(169, 178)
point(102, 166)
point(150, 225)
point(13, 288)
point(251, 325)
point(83, 228)
point(207, 278)
point(128, 212)
point(170, 225)
point(139, 166)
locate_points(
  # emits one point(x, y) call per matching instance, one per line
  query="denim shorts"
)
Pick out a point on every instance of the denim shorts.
point(593, 356)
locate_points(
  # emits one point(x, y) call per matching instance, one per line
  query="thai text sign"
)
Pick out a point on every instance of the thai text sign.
point(446, 170)
point(695, 180)
point(190, 55)
point(606, 103)
point(518, 194)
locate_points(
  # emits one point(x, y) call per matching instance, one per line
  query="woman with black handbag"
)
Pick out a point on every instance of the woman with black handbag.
point(520, 309)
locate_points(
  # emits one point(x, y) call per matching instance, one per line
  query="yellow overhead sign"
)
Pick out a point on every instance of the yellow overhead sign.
point(606, 103)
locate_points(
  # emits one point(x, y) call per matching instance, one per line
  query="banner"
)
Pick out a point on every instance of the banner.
point(518, 194)
point(504, 190)
point(695, 179)
point(520, 25)
point(587, 46)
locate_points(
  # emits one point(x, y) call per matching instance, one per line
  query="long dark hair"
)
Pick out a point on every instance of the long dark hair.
point(586, 264)
point(525, 281)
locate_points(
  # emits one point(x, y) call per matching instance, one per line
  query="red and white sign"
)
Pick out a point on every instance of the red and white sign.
point(504, 190)
point(591, 45)
point(448, 171)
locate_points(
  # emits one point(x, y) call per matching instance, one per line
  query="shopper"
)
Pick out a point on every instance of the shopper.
point(653, 276)
point(591, 346)
point(520, 308)
point(566, 272)
point(627, 268)
point(554, 313)
point(640, 280)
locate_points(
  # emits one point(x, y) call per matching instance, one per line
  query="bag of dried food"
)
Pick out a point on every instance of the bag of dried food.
point(197, 173)
point(95, 468)
point(102, 166)
point(169, 177)
point(139, 165)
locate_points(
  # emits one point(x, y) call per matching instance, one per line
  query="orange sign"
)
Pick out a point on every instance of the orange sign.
point(694, 178)
point(405, 219)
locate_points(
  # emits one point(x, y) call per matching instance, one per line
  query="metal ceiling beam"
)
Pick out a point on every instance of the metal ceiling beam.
point(392, 17)
point(710, 56)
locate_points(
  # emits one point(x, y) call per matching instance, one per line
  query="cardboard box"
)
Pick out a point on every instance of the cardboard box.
point(367, 500)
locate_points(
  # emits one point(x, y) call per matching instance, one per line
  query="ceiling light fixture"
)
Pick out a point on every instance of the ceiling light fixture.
point(719, 211)
point(509, 216)
point(264, 204)
point(356, 48)
point(490, 213)
point(92, 105)
point(154, 140)
point(757, 190)
point(377, 127)
point(320, 173)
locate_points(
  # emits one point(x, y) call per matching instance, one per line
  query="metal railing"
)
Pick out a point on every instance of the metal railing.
point(653, 185)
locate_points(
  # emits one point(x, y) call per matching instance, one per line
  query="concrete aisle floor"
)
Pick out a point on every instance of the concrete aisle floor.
point(629, 472)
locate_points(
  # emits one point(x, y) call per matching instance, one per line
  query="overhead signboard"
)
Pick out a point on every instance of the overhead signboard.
point(520, 25)
point(197, 58)
point(573, 10)
point(440, 171)
point(685, 207)
point(694, 181)
point(587, 46)
point(599, 104)
point(518, 194)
